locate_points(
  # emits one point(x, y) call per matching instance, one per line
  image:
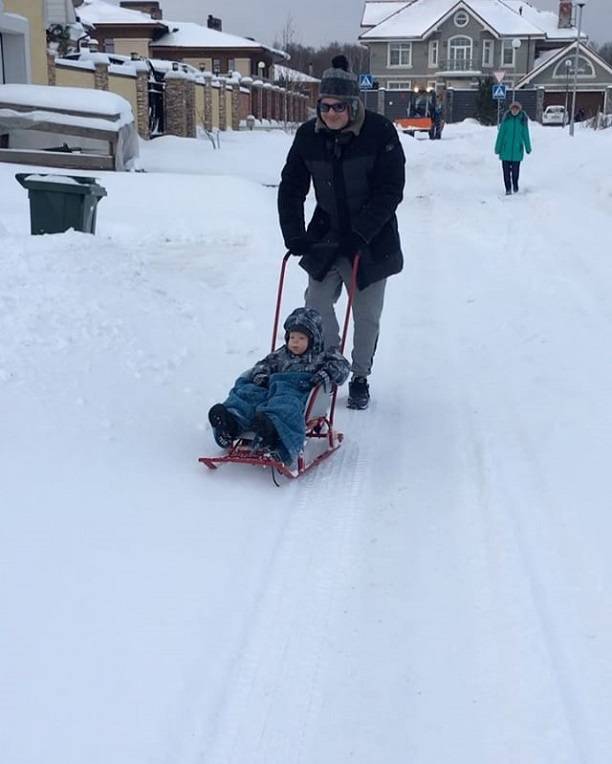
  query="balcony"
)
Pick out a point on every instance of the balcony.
point(459, 66)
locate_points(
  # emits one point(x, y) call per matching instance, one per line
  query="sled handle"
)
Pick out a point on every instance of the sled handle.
point(279, 297)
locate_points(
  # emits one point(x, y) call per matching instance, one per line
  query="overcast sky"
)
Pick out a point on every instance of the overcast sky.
point(321, 21)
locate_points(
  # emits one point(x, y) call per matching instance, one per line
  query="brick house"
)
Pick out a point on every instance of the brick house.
point(119, 29)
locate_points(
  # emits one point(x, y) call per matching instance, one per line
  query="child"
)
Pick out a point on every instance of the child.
point(270, 398)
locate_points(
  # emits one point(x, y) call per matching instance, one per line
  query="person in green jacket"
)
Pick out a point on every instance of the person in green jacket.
point(512, 141)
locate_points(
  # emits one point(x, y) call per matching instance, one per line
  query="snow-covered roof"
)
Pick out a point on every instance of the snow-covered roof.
point(547, 21)
point(188, 34)
point(379, 10)
point(98, 12)
point(98, 103)
point(504, 17)
point(544, 61)
point(291, 75)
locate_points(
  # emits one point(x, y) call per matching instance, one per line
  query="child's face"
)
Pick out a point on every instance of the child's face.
point(297, 343)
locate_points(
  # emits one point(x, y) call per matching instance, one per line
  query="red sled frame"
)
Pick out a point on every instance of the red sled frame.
point(319, 427)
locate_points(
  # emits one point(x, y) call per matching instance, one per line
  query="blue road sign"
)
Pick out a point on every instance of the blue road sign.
point(366, 82)
point(499, 92)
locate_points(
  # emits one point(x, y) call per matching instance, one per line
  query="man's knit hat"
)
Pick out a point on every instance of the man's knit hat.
point(338, 82)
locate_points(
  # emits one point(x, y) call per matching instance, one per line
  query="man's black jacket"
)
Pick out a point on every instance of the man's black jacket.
point(358, 181)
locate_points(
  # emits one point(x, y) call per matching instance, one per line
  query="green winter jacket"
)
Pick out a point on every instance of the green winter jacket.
point(513, 138)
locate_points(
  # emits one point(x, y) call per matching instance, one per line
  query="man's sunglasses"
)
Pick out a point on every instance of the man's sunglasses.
point(337, 107)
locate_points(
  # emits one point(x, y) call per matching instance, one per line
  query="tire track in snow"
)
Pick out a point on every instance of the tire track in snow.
point(524, 487)
point(273, 697)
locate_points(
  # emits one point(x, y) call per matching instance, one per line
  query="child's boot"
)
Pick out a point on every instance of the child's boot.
point(224, 424)
point(266, 435)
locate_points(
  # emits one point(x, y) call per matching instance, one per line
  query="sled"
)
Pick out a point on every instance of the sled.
point(321, 437)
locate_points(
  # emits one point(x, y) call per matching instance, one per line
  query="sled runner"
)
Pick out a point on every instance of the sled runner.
point(321, 437)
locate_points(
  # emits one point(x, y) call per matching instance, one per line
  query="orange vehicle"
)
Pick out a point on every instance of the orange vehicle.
point(423, 115)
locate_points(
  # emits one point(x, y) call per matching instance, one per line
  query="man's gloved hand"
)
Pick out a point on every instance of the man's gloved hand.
point(261, 379)
point(352, 244)
point(299, 245)
point(321, 378)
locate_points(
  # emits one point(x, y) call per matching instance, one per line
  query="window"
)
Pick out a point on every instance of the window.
point(508, 53)
point(1, 62)
point(399, 84)
point(585, 68)
point(434, 47)
point(400, 54)
point(216, 66)
point(487, 53)
point(431, 84)
point(231, 65)
point(109, 45)
point(459, 54)
point(461, 19)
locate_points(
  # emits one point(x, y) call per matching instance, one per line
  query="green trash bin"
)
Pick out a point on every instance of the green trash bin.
point(60, 202)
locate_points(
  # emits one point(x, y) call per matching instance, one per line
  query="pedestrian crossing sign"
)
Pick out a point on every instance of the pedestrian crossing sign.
point(499, 92)
point(366, 82)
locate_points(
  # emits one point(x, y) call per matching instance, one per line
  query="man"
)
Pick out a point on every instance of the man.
point(356, 163)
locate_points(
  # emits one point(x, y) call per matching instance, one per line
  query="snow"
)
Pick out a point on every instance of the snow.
point(439, 591)
point(83, 100)
point(417, 19)
point(375, 12)
point(291, 75)
point(99, 12)
point(190, 35)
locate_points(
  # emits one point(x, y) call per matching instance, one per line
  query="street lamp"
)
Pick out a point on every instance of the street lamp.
point(516, 44)
point(580, 4)
point(568, 66)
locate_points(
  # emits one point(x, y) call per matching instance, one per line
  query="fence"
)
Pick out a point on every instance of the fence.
point(179, 102)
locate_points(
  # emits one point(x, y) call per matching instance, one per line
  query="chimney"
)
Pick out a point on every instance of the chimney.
point(151, 7)
point(565, 14)
point(214, 23)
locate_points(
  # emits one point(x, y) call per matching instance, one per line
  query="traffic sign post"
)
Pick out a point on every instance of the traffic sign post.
point(366, 82)
point(499, 76)
point(498, 92)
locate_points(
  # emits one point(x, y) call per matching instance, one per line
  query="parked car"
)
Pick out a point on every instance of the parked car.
point(554, 115)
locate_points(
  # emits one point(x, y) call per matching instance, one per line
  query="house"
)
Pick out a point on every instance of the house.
point(445, 44)
point(209, 48)
point(118, 29)
point(137, 26)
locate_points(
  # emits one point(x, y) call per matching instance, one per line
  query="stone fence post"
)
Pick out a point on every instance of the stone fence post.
point(176, 117)
point(235, 104)
point(208, 102)
point(51, 68)
point(222, 104)
point(190, 120)
point(268, 99)
point(257, 99)
point(142, 97)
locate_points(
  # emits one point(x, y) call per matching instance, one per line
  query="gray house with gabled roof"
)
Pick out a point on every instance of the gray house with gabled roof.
point(454, 43)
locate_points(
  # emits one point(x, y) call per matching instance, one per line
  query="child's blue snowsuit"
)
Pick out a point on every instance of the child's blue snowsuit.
point(279, 385)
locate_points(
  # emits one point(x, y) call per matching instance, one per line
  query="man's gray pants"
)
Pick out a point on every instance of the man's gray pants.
point(367, 309)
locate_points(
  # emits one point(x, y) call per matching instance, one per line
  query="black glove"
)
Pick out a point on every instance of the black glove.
point(261, 379)
point(299, 245)
point(321, 378)
point(352, 244)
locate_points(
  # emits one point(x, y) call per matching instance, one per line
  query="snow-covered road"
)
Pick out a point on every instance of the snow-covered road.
point(439, 592)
